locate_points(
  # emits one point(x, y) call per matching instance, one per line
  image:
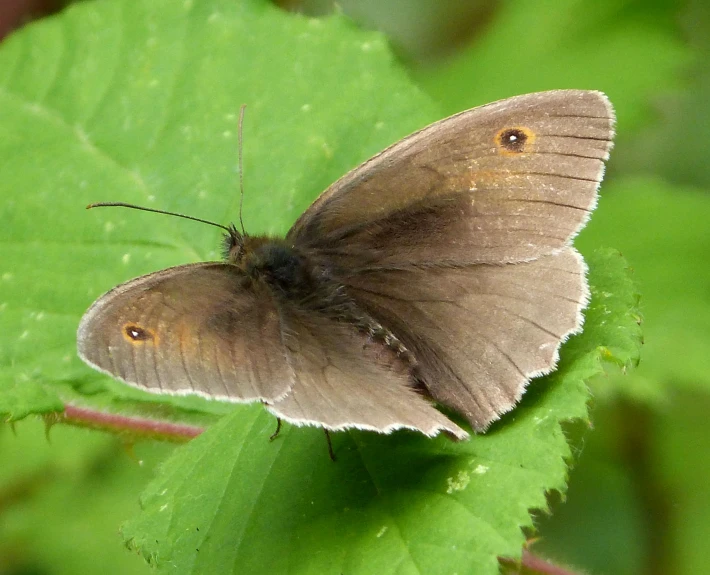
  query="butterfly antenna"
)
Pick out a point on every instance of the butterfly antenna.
point(241, 166)
point(230, 231)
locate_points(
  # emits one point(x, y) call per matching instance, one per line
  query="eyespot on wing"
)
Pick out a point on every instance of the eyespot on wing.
point(137, 335)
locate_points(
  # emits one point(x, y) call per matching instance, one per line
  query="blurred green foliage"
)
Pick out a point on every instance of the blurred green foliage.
point(638, 502)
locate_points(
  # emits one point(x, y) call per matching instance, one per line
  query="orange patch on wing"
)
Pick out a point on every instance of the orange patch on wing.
point(514, 140)
point(186, 337)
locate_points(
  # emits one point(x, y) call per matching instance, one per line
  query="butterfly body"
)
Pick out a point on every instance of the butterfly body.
point(294, 281)
point(439, 269)
point(275, 263)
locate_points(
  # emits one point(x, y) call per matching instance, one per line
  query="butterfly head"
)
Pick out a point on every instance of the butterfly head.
point(233, 245)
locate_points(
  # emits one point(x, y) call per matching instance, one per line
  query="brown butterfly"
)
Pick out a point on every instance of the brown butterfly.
point(440, 269)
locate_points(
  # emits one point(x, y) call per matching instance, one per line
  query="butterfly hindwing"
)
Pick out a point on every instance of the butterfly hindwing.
point(480, 332)
point(346, 379)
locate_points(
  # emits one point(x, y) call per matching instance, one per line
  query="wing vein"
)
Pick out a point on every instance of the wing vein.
point(566, 154)
point(184, 364)
point(219, 372)
point(573, 137)
point(530, 321)
point(154, 354)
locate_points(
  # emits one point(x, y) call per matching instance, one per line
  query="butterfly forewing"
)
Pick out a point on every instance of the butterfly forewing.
point(456, 239)
point(194, 329)
point(505, 182)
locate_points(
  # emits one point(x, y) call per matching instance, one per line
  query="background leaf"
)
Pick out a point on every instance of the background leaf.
point(668, 256)
point(73, 489)
point(627, 49)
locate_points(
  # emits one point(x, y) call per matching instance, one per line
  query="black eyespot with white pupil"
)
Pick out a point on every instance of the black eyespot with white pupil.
point(513, 139)
point(136, 333)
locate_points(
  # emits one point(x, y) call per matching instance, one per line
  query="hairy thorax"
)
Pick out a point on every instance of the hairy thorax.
point(293, 278)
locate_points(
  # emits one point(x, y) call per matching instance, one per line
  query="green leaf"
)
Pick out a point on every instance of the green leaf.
point(683, 427)
point(664, 147)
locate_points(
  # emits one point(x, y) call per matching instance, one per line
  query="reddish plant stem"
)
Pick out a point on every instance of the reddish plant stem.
point(540, 565)
point(15, 13)
point(136, 426)
point(530, 563)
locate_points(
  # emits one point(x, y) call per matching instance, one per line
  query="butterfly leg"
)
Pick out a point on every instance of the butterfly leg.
point(330, 445)
point(275, 434)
